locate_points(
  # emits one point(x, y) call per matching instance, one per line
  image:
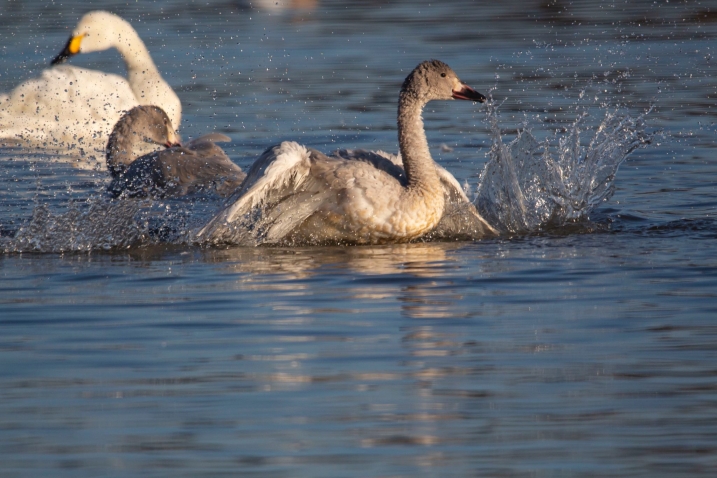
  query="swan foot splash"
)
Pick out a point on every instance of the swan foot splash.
point(527, 186)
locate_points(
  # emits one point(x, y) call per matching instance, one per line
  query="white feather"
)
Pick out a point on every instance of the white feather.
point(288, 162)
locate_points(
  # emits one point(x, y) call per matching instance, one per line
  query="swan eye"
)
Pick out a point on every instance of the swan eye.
point(443, 75)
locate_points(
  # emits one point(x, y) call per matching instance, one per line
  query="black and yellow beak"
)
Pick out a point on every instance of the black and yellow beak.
point(72, 48)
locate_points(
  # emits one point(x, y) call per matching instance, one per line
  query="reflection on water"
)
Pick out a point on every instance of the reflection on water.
point(280, 269)
point(437, 357)
point(585, 351)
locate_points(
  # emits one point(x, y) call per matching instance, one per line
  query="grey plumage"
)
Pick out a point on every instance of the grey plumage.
point(199, 165)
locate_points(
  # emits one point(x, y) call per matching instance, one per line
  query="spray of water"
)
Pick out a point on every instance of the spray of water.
point(100, 223)
point(97, 224)
point(527, 186)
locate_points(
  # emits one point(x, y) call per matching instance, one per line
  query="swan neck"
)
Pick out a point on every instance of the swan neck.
point(143, 76)
point(417, 162)
point(121, 144)
point(144, 79)
point(134, 52)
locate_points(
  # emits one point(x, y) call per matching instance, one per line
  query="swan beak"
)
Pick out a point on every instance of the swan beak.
point(465, 92)
point(72, 48)
point(173, 139)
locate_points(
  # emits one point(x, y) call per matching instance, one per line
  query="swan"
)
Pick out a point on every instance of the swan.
point(460, 220)
point(67, 105)
point(293, 194)
point(177, 171)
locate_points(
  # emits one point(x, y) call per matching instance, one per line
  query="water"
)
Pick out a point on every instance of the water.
point(586, 349)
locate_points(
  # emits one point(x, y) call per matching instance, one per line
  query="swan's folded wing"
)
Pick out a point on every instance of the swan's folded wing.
point(203, 167)
point(208, 138)
point(389, 163)
point(460, 220)
point(279, 173)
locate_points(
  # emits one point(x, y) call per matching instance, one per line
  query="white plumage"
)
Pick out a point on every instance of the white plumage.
point(67, 105)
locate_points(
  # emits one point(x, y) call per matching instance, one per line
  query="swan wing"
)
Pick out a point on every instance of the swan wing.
point(294, 194)
point(389, 163)
point(460, 219)
point(209, 137)
point(204, 166)
point(278, 173)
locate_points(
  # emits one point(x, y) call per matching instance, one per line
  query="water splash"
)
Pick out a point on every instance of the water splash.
point(101, 223)
point(527, 186)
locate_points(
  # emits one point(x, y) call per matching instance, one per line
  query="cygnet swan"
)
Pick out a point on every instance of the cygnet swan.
point(293, 194)
point(67, 105)
point(460, 220)
point(200, 165)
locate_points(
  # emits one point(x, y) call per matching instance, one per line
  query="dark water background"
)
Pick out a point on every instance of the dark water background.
point(589, 350)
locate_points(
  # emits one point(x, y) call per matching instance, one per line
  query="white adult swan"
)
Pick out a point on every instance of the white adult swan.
point(67, 105)
point(297, 195)
point(199, 165)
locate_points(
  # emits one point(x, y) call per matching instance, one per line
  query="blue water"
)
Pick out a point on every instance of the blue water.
point(584, 350)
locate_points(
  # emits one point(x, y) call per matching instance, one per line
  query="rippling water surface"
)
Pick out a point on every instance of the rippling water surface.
point(583, 350)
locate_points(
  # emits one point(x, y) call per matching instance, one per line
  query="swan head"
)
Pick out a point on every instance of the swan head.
point(139, 131)
point(150, 124)
point(96, 31)
point(434, 80)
